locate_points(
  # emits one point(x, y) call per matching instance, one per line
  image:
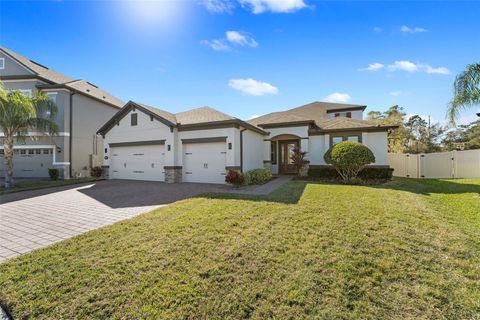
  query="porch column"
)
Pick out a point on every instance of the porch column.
point(304, 146)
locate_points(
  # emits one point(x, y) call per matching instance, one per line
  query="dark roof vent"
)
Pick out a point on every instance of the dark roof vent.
point(88, 90)
point(104, 97)
point(38, 64)
point(92, 84)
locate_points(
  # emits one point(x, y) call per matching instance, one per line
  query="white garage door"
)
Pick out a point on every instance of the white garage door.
point(138, 162)
point(204, 162)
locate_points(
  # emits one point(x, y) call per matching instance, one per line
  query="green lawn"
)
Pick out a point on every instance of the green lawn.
point(406, 250)
point(26, 185)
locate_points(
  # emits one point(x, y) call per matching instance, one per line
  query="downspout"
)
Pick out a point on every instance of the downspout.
point(70, 136)
point(241, 149)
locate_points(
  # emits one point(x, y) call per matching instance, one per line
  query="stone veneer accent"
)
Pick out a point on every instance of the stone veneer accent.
point(173, 174)
point(105, 172)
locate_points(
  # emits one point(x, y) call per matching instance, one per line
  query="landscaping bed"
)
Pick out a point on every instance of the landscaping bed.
point(407, 249)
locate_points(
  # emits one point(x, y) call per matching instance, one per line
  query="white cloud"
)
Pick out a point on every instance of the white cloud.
point(403, 65)
point(377, 30)
point(232, 38)
point(218, 6)
point(217, 44)
point(252, 87)
point(277, 6)
point(372, 67)
point(408, 66)
point(407, 29)
point(395, 93)
point(337, 97)
point(439, 70)
point(241, 39)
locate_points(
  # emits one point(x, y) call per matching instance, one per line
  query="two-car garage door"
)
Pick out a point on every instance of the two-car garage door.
point(204, 162)
point(140, 162)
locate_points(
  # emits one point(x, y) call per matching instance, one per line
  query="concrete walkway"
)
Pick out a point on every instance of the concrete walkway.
point(263, 189)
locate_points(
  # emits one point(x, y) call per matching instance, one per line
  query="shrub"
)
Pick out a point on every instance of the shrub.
point(298, 158)
point(260, 176)
point(349, 158)
point(53, 173)
point(235, 177)
point(368, 173)
point(96, 172)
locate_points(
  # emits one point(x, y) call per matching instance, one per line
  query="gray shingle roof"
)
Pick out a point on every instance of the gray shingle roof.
point(201, 115)
point(37, 68)
point(315, 111)
point(58, 79)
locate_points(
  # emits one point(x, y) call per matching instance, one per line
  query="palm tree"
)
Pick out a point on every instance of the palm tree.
point(19, 114)
point(466, 91)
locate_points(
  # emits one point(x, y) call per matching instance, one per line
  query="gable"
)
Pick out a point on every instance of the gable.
point(146, 120)
point(13, 67)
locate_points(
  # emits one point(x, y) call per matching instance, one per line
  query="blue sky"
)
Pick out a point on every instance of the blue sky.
point(251, 57)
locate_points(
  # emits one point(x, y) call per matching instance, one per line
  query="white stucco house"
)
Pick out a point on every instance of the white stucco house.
point(201, 145)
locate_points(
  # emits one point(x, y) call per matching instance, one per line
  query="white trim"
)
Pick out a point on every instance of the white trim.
point(41, 134)
point(54, 90)
point(24, 80)
point(2, 66)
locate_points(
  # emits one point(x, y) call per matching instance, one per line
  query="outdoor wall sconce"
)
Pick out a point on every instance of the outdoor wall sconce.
point(229, 146)
point(168, 147)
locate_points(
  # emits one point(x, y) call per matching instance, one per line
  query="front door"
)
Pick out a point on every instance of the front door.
point(286, 152)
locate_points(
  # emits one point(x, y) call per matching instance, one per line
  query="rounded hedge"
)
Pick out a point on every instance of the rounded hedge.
point(349, 158)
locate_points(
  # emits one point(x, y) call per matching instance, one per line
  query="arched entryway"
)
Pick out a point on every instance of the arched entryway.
point(283, 147)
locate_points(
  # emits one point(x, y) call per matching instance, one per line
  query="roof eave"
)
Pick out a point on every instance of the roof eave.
point(369, 129)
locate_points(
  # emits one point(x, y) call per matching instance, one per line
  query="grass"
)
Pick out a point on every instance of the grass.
point(405, 250)
point(27, 185)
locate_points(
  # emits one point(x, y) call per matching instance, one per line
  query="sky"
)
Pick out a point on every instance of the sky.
point(251, 57)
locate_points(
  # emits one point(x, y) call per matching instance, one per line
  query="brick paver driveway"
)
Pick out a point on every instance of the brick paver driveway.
point(33, 219)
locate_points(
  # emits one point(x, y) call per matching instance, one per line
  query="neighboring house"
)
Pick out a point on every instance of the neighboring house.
point(200, 145)
point(82, 109)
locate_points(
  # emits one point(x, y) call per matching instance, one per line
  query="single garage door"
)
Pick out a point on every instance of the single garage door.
point(29, 163)
point(141, 162)
point(204, 162)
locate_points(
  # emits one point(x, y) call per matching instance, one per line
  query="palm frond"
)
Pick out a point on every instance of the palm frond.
point(466, 90)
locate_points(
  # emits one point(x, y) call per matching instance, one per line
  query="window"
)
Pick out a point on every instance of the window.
point(2, 63)
point(2, 152)
point(337, 114)
point(23, 151)
point(134, 119)
point(46, 151)
point(26, 92)
point(336, 140)
point(38, 151)
point(273, 152)
point(353, 138)
point(31, 151)
point(52, 96)
point(16, 151)
point(349, 114)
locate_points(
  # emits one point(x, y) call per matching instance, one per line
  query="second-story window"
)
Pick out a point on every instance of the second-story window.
point(2, 63)
point(349, 114)
point(134, 119)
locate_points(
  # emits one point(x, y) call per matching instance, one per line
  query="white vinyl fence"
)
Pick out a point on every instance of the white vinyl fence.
point(454, 164)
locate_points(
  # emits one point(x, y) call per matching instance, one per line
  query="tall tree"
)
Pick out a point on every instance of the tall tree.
point(466, 90)
point(465, 137)
point(397, 138)
point(18, 115)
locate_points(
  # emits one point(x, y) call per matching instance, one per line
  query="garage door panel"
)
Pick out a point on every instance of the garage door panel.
point(138, 162)
point(204, 162)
